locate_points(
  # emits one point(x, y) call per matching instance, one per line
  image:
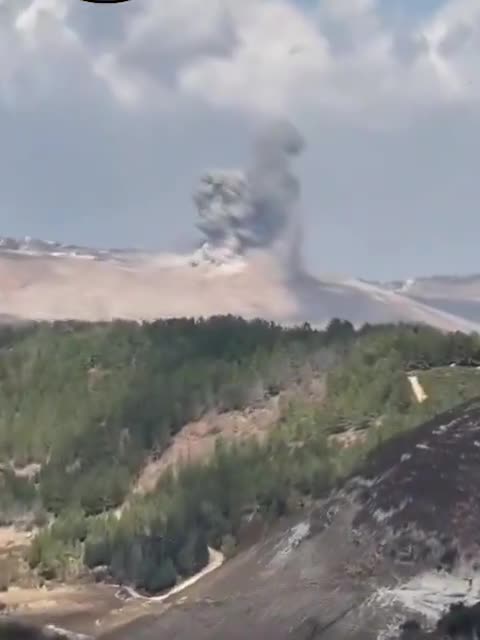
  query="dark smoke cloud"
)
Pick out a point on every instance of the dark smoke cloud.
point(256, 209)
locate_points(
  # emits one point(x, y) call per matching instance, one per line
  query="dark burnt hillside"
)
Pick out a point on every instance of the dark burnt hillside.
point(421, 487)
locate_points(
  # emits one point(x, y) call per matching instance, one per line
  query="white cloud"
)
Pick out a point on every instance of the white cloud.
point(29, 20)
point(39, 52)
point(454, 38)
point(269, 55)
point(259, 55)
point(278, 53)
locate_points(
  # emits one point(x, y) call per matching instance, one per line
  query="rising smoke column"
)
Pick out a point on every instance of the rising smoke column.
point(257, 209)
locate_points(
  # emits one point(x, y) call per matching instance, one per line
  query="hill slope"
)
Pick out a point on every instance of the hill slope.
point(364, 560)
point(43, 286)
point(208, 394)
point(384, 533)
point(84, 407)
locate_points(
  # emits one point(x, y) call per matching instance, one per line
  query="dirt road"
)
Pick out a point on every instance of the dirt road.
point(216, 559)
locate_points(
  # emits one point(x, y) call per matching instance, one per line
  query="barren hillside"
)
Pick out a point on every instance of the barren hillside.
point(42, 286)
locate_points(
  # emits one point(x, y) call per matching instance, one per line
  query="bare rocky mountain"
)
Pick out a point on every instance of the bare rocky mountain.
point(46, 286)
point(249, 263)
point(458, 295)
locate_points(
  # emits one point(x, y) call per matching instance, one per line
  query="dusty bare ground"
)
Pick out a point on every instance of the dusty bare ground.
point(46, 287)
point(76, 607)
point(349, 438)
point(13, 568)
point(44, 599)
point(196, 441)
point(11, 538)
point(97, 609)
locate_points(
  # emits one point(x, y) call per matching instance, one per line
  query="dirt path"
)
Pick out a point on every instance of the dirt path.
point(216, 559)
point(417, 389)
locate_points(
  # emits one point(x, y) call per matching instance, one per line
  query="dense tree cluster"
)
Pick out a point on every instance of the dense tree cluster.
point(73, 396)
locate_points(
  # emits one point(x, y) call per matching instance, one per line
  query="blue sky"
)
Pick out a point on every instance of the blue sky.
point(410, 7)
point(393, 7)
point(108, 115)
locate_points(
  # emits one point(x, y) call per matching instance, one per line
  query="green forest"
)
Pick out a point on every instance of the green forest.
point(85, 405)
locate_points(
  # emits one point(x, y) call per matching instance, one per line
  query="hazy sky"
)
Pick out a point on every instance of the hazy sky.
point(108, 114)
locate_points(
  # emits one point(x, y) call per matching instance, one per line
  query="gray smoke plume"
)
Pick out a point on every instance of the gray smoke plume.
point(257, 208)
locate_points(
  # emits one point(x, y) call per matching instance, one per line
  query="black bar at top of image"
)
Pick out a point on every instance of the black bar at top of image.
point(104, 1)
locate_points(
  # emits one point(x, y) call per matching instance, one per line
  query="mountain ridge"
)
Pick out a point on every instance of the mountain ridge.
point(53, 281)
